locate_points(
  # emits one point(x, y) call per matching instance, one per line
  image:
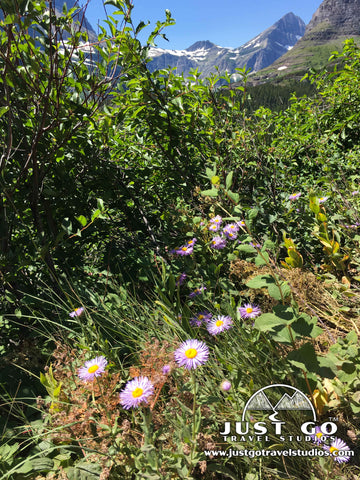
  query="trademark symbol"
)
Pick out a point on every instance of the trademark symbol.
point(334, 419)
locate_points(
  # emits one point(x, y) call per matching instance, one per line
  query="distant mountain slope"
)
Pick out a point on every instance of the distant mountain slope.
point(58, 5)
point(256, 54)
point(331, 24)
point(78, 17)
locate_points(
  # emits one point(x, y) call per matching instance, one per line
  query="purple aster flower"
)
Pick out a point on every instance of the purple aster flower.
point(214, 227)
point(217, 220)
point(231, 235)
point(205, 316)
point(355, 192)
point(225, 385)
point(191, 242)
point(241, 224)
point(294, 196)
point(249, 311)
point(181, 279)
point(135, 392)
point(93, 368)
point(255, 245)
point(317, 436)
point(196, 292)
point(219, 324)
point(200, 318)
point(336, 449)
point(166, 369)
point(323, 199)
point(185, 250)
point(218, 243)
point(191, 354)
point(231, 228)
point(77, 312)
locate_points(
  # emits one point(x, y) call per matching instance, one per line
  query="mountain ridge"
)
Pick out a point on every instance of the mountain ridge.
point(257, 53)
point(332, 23)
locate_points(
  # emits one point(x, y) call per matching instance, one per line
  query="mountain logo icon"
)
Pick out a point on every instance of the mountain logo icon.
point(297, 401)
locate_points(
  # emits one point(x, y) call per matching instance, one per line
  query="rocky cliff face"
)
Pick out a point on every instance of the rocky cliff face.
point(333, 19)
point(256, 54)
point(331, 24)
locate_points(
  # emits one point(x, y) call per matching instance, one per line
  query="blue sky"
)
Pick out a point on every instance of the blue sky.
point(228, 23)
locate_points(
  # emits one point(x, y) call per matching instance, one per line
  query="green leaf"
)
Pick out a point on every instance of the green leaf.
point(352, 337)
point(233, 196)
point(84, 471)
point(3, 110)
point(100, 204)
point(275, 291)
point(305, 358)
point(253, 213)
point(260, 281)
point(229, 180)
point(259, 260)
point(210, 193)
point(267, 321)
point(246, 249)
point(82, 220)
point(306, 326)
point(95, 215)
point(210, 173)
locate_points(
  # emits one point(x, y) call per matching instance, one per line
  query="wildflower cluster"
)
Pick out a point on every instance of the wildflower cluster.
point(336, 447)
point(186, 249)
point(229, 232)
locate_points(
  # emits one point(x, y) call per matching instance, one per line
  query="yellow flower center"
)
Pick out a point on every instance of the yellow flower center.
point(319, 435)
point(77, 310)
point(321, 198)
point(190, 242)
point(137, 392)
point(249, 310)
point(333, 451)
point(230, 234)
point(216, 220)
point(93, 368)
point(219, 323)
point(184, 249)
point(191, 352)
point(200, 317)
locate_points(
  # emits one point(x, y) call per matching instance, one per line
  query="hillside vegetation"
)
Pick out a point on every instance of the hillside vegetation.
point(167, 250)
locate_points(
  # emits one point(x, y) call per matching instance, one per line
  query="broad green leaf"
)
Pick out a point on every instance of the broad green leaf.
point(229, 180)
point(260, 281)
point(82, 220)
point(233, 196)
point(267, 321)
point(210, 193)
point(259, 259)
point(246, 248)
point(306, 326)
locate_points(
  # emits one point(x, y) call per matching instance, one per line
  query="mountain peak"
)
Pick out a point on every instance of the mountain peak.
point(332, 23)
point(334, 18)
point(204, 44)
point(291, 22)
point(209, 58)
